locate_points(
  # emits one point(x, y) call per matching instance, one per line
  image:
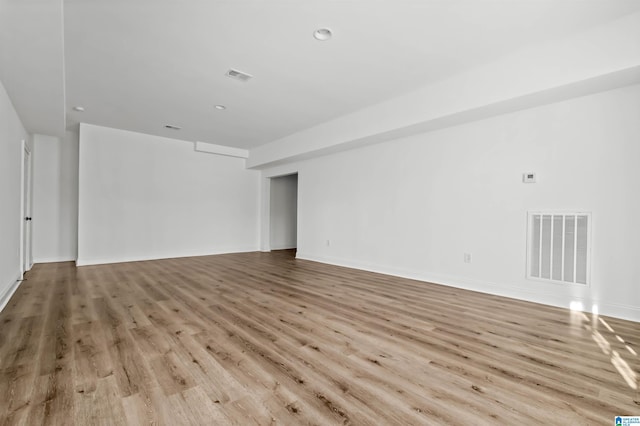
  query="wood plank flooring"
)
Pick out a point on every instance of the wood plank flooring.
point(262, 338)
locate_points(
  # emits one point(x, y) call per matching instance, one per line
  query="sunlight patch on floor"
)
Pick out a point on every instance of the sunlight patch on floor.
point(623, 368)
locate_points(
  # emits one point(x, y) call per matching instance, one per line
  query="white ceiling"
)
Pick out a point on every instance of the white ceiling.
point(141, 64)
point(32, 62)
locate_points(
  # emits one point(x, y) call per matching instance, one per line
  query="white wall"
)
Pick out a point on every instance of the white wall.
point(55, 198)
point(147, 197)
point(12, 133)
point(283, 212)
point(412, 207)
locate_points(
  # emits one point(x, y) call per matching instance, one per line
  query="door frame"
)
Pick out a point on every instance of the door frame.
point(26, 188)
point(265, 215)
point(270, 206)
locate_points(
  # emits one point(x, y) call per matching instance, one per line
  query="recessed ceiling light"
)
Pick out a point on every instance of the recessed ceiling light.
point(220, 107)
point(172, 127)
point(322, 34)
point(78, 108)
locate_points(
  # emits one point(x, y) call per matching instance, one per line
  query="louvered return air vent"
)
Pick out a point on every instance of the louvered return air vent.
point(239, 75)
point(559, 247)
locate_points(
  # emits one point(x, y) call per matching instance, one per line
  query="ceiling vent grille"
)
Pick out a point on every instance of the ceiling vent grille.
point(239, 75)
point(559, 247)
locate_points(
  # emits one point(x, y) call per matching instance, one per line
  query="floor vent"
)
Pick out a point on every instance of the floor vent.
point(559, 247)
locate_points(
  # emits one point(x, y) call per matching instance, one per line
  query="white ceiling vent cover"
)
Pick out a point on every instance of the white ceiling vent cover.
point(559, 247)
point(239, 75)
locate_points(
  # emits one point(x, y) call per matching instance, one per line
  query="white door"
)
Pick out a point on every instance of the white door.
point(26, 209)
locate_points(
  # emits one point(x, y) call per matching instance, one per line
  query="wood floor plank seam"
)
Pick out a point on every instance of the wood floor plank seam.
point(267, 339)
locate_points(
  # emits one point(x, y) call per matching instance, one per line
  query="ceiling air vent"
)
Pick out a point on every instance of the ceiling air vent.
point(239, 75)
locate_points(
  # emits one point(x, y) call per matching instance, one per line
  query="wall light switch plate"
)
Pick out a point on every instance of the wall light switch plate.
point(529, 177)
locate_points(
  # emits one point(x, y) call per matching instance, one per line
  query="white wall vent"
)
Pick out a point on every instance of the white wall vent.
point(239, 75)
point(559, 247)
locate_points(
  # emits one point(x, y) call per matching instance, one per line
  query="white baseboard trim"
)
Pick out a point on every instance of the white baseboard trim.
point(283, 247)
point(54, 259)
point(103, 261)
point(627, 312)
point(9, 290)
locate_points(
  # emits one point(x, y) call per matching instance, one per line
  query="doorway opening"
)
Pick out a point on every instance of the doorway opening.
point(283, 212)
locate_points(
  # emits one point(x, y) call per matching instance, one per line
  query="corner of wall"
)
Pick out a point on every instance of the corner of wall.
point(8, 292)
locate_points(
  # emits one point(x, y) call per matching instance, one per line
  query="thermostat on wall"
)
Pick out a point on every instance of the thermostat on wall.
point(529, 177)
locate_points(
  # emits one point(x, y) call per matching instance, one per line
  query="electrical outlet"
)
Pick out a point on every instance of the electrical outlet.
point(467, 258)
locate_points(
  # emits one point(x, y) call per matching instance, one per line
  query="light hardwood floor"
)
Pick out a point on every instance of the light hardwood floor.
point(266, 339)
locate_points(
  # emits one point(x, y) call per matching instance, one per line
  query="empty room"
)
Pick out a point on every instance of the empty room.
point(350, 212)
